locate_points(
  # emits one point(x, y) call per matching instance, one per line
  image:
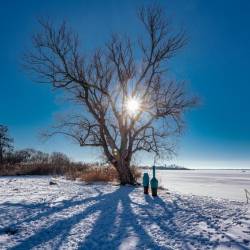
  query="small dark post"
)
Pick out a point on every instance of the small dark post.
point(145, 182)
point(154, 183)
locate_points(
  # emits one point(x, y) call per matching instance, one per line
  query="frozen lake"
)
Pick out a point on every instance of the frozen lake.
point(225, 184)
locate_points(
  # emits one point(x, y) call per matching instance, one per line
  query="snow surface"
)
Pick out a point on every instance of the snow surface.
point(73, 215)
point(225, 184)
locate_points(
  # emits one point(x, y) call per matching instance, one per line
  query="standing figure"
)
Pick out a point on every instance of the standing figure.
point(145, 182)
point(154, 183)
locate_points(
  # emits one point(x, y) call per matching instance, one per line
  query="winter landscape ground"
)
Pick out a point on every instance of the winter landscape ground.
point(74, 215)
point(225, 184)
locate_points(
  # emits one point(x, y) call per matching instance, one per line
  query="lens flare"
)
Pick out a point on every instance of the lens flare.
point(133, 105)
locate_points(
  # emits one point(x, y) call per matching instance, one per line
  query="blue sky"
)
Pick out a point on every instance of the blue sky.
point(215, 65)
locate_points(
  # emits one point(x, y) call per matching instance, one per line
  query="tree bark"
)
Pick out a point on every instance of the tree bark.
point(125, 173)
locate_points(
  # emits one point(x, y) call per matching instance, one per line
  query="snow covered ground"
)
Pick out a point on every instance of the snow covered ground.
point(225, 184)
point(73, 215)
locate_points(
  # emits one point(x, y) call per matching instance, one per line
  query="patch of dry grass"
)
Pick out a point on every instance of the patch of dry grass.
point(40, 169)
point(73, 171)
point(101, 174)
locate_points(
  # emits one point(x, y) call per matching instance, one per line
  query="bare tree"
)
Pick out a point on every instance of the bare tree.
point(59, 159)
point(128, 102)
point(5, 142)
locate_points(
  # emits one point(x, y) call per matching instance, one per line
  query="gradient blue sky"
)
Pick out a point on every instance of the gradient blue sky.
point(215, 64)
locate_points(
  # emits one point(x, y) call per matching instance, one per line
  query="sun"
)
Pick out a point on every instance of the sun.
point(133, 105)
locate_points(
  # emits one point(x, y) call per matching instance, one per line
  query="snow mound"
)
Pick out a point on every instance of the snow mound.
point(71, 215)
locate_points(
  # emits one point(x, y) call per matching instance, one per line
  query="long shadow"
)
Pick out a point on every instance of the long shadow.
point(115, 225)
point(208, 220)
point(47, 209)
point(63, 226)
point(174, 231)
point(145, 240)
point(178, 232)
point(118, 222)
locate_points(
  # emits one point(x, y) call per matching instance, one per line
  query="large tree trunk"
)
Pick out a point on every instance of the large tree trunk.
point(125, 173)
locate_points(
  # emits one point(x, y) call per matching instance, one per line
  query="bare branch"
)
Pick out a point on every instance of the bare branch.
point(103, 82)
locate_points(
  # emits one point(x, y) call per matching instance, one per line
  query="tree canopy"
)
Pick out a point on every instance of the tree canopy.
point(128, 101)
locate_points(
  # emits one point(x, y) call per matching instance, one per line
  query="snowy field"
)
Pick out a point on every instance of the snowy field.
point(72, 215)
point(225, 184)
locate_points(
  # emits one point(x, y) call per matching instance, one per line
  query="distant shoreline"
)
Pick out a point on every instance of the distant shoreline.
point(167, 168)
point(239, 169)
point(219, 169)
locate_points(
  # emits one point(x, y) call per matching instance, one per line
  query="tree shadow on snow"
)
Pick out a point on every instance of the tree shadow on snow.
point(181, 231)
point(121, 222)
point(109, 230)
